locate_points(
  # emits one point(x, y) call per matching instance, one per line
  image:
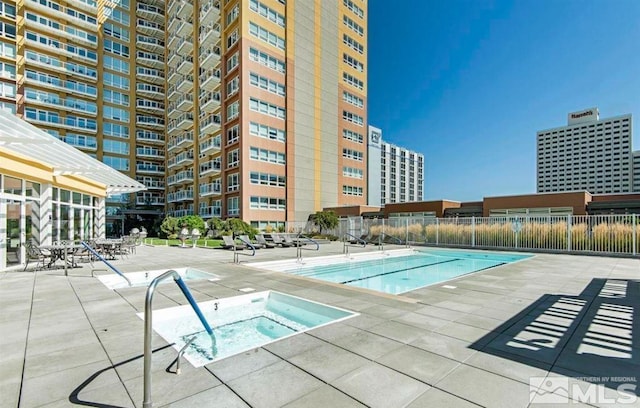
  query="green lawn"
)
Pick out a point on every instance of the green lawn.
point(205, 243)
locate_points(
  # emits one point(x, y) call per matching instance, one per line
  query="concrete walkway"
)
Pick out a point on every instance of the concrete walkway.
point(562, 323)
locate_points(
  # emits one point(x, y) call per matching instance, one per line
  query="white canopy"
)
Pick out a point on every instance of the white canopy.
point(21, 137)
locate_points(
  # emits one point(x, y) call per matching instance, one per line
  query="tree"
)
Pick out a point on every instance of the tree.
point(170, 226)
point(191, 222)
point(325, 220)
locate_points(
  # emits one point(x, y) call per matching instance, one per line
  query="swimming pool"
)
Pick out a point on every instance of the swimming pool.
point(241, 323)
point(399, 271)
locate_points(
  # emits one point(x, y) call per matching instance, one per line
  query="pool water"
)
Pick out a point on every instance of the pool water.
point(407, 271)
point(241, 323)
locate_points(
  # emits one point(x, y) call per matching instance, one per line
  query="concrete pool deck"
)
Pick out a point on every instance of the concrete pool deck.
point(559, 319)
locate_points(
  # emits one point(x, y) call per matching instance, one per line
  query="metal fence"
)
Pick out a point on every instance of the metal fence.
point(601, 234)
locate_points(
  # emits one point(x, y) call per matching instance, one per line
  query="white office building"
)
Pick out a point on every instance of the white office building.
point(589, 154)
point(395, 174)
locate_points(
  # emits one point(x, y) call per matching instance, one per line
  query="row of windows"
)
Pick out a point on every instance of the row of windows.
point(69, 11)
point(116, 31)
point(353, 136)
point(267, 203)
point(266, 108)
point(267, 179)
point(54, 62)
point(352, 99)
point(267, 132)
point(266, 84)
point(353, 25)
point(57, 26)
point(115, 97)
point(353, 118)
point(266, 36)
point(54, 117)
point(266, 60)
point(267, 12)
point(352, 62)
point(353, 44)
point(353, 81)
point(116, 48)
point(115, 130)
point(352, 191)
point(265, 155)
point(69, 84)
point(355, 9)
point(7, 10)
point(79, 51)
point(116, 81)
point(55, 99)
point(352, 154)
point(352, 172)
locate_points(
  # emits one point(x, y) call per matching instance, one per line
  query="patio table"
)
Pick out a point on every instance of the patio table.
point(62, 252)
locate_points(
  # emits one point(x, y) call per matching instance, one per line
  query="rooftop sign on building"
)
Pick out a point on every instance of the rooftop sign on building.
point(585, 115)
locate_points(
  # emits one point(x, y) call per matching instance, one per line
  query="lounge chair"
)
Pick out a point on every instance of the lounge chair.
point(277, 239)
point(373, 239)
point(246, 241)
point(287, 239)
point(263, 242)
point(230, 243)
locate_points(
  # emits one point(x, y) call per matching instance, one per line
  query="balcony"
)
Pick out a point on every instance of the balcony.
point(209, 124)
point(173, 93)
point(185, 103)
point(209, 11)
point(209, 57)
point(154, 200)
point(209, 35)
point(210, 211)
point(147, 136)
point(150, 60)
point(150, 152)
point(185, 10)
point(181, 159)
point(149, 91)
point(151, 183)
point(185, 66)
point(185, 28)
point(184, 176)
point(149, 168)
point(209, 146)
point(209, 101)
point(150, 106)
point(180, 195)
point(210, 167)
point(155, 14)
point(150, 121)
point(210, 189)
point(174, 42)
point(181, 212)
point(83, 6)
point(186, 47)
point(183, 140)
point(150, 28)
point(153, 76)
point(150, 44)
point(184, 121)
point(185, 84)
point(174, 77)
point(210, 80)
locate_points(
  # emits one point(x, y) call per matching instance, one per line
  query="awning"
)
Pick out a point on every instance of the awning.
point(23, 138)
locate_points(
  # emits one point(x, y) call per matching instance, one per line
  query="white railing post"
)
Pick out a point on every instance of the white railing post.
point(473, 231)
point(406, 230)
point(635, 234)
point(437, 230)
point(568, 232)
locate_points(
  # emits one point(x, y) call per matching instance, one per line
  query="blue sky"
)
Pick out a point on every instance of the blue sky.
point(469, 82)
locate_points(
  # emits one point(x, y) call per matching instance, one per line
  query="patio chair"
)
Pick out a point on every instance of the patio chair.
point(230, 243)
point(263, 242)
point(277, 239)
point(246, 239)
point(34, 253)
point(287, 239)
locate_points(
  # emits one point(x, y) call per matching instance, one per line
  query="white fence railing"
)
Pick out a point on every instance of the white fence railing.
point(602, 234)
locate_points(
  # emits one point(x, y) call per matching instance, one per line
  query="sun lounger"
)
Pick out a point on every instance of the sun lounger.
point(277, 239)
point(230, 243)
point(263, 242)
point(246, 241)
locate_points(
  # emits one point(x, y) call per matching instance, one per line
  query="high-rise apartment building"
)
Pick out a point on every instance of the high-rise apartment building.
point(636, 171)
point(267, 108)
point(395, 174)
point(234, 108)
point(589, 154)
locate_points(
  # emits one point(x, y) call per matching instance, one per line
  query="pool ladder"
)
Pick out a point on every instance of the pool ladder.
point(148, 327)
point(346, 243)
point(236, 254)
point(299, 247)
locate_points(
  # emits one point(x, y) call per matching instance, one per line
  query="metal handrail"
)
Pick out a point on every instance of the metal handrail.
point(299, 248)
point(148, 312)
point(101, 258)
point(236, 254)
point(381, 240)
point(346, 244)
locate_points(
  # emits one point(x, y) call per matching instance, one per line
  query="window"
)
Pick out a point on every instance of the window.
point(265, 155)
point(233, 14)
point(353, 81)
point(352, 191)
point(267, 12)
point(233, 86)
point(352, 99)
point(267, 203)
point(353, 44)
point(115, 146)
point(116, 48)
point(115, 97)
point(266, 179)
point(352, 62)
point(233, 158)
point(116, 81)
point(233, 110)
point(355, 9)
point(266, 84)
point(7, 90)
point(115, 130)
point(267, 60)
point(233, 182)
point(233, 134)
point(353, 25)
point(7, 10)
point(7, 50)
point(264, 131)
point(266, 35)
point(352, 172)
point(7, 30)
point(232, 38)
point(266, 108)
point(353, 118)
point(116, 31)
point(232, 62)
point(353, 136)
point(114, 113)
point(352, 154)
point(232, 207)
point(118, 163)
